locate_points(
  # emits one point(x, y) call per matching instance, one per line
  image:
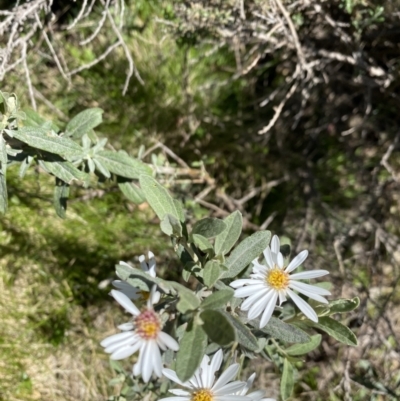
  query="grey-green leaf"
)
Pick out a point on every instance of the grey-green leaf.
point(61, 194)
point(280, 330)
point(84, 122)
point(218, 327)
point(243, 334)
point(122, 164)
point(245, 252)
point(208, 227)
point(44, 139)
point(336, 330)
point(202, 242)
point(191, 351)
point(158, 197)
point(187, 298)
point(343, 305)
point(3, 192)
point(33, 119)
point(211, 273)
point(227, 238)
point(217, 300)
point(287, 380)
point(64, 170)
point(170, 225)
point(132, 192)
point(301, 349)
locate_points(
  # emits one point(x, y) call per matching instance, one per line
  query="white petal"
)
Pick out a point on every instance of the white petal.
point(130, 291)
point(249, 383)
point(152, 297)
point(203, 371)
point(147, 365)
point(137, 367)
point(115, 338)
point(176, 399)
point(168, 341)
point(297, 261)
point(129, 341)
point(253, 298)
point(246, 291)
point(275, 244)
point(171, 375)
point(268, 257)
point(241, 282)
point(125, 302)
point(280, 260)
point(161, 345)
point(152, 264)
point(230, 388)
point(282, 297)
point(269, 309)
point(303, 306)
point(260, 305)
point(124, 352)
point(309, 274)
point(143, 264)
point(214, 366)
point(126, 326)
point(299, 286)
point(178, 391)
point(231, 398)
point(156, 298)
point(256, 395)
point(157, 362)
point(309, 294)
point(227, 376)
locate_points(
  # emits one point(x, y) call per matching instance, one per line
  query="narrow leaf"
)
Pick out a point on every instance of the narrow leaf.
point(121, 164)
point(211, 273)
point(132, 192)
point(301, 349)
point(33, 119)
point(287, 380)
point(84, 122)
point(170, 225)
point(44, 139)
point(158, 197)
point(245, 252)
point(3, 192)
point(202, 243)
point(336, 330)
point(61, 194)
point(218, 327)
point(243, 334)
point(343, 305)
point(191, 351)
point(217, 300)
point(225, 240)
point(64, 170)
point(187, 298)
point(209, 227)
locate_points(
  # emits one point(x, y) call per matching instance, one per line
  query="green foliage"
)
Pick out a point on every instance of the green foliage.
point(287, 380)
point(227, 238)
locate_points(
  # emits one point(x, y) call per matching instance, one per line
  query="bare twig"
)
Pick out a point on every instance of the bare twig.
point(28, 77)
point(99, 25)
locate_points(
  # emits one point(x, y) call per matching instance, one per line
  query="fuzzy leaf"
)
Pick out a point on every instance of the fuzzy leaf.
point(191, 351)
point(217, 300)
point(245, 252)
point(211, 273)
point(287, 380)
point(227, 239)
point(3, 192)
point(187, 298)
point(132, 192)
point(158, 197)
point(217, 326)
point(60, 198)
point(244, 336)
point(202, 243)
point(44, 139)
point(336, 330)
point(84, 122)
point(209, 227)
point(64, 170)
point(122, 164)
point(343, 305)
point(301, 349)
point(170, 225)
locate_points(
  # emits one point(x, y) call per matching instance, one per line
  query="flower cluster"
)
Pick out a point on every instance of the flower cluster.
point(269, 283)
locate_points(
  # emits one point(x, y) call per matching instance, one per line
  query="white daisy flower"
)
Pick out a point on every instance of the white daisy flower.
point(142, 334)
point(203, 386)
point(257, 395)
point(132, 292)
point(269, 283)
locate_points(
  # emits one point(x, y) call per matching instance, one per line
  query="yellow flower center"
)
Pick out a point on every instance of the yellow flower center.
point(202, 395)
point(148, 324)
point(145, 295)
point(277, 279)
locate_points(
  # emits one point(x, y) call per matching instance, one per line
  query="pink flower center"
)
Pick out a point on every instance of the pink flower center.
point(148, 324)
